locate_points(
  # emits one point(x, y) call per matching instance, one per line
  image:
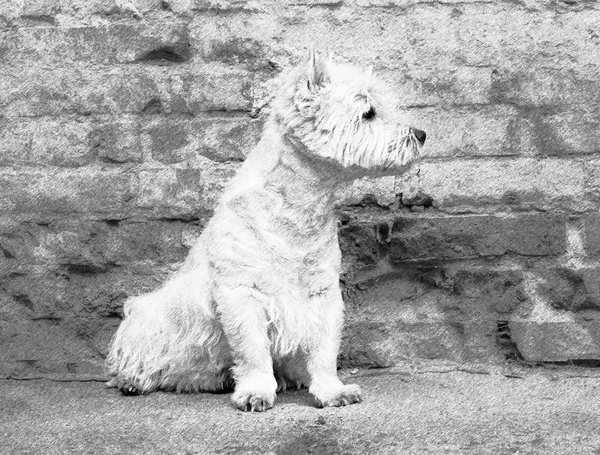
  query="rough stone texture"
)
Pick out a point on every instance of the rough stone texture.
point(592, 234)
point(122, 121)
point(460, 237)
point(543, 334)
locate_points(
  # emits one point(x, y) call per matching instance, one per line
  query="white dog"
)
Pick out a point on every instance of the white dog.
point(257, 303)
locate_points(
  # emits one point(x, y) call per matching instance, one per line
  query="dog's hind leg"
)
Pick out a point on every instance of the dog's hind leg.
point(171, 340)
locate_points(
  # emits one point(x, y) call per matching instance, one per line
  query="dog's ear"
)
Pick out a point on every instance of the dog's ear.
point(316, 69)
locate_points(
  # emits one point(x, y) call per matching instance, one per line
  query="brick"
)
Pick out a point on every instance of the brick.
point(218, 139)
point(467, 131)
point(41, 8)
point(567, 289)
point(113, 192)
point(118, 43)
point(498, 290)
point(241, 40)
point(381, 189)
point(81, 246)
point(215, 90)
point(544, 334)
point(112, 8)
point(397, 316)
point(224, 141)
point(412, 36)
point(220, 5)
point(39, 93)
point(441, 87)
point(75, 314)
point(58, 191)
point(42, 348)
point(459, 237)
point(10, 10)
point(174, 139)
point(561, 131)
point(169, 192)
point(67, 143)
point(329, 3)
point(235, 51)
point(115, 141)
point(88, 7)
point(591, 231)
point(360, 246)
point(124, 93)
point(60, 142)
point(545, 86)
point(408, 3)
point(126, 90)
point(519, 183)
point(592, 177)
point(167, 139)
point(507, 36)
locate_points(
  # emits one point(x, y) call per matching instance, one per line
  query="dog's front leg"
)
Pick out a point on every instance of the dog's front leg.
point(245, 324)
point(322, 359)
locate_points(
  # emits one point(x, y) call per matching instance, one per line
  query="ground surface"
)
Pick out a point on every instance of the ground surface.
point(431, 410)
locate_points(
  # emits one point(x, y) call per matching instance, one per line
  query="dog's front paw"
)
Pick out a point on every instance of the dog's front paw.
point(343, 396)
point(255, 395)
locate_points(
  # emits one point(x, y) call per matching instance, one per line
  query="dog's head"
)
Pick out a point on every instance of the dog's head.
point(346, 114)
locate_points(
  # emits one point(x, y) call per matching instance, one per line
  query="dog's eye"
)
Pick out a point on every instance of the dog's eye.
point(369, 114)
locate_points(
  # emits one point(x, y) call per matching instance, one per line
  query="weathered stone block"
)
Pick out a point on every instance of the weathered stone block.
point(51, 191)
point(460, 86)
point(124, 93)
point(497, 290)
point(166, 140)
point(460, 237)
point(519, 183)
point(36, 93)
point(223, 140)
point(115, 141)
point(217, 90)
point(394, 318)
point(59, 142)
point(381, 189)
point(359, 245)
point(572, 290)
point(88, 7)
point(158, 43)
point(126, 90)
point(235, 51)
point(41, 348)
point(545, 86)
point(58, 324)
point(544, 334)
point(65, 143)
point(467, 131)
point(219, 5)
point(40, 8)
point(220, 140)
point(591, 229)
point(93, 246)
point(169, 192)
point(510, 36)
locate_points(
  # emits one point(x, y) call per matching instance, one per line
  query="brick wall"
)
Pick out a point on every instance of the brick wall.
point(121, 122)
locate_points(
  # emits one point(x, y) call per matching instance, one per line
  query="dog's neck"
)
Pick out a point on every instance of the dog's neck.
point(309, 181)
point(298, 190)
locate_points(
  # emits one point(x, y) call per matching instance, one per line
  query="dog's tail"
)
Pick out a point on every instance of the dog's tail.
point(170, 339)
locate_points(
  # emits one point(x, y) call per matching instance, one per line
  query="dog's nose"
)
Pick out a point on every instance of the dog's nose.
point(420, 135)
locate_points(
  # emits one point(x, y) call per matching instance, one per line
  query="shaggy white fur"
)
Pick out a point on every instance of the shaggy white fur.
point(257, 302)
